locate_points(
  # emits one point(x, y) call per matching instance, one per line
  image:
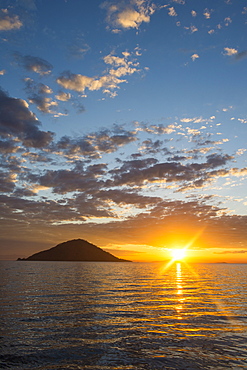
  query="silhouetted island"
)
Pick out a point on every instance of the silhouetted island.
point(74, 250)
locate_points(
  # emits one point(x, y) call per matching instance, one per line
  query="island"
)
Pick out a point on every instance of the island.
point(74, 250)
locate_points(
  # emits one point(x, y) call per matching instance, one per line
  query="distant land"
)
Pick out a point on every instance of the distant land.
point(74, 250)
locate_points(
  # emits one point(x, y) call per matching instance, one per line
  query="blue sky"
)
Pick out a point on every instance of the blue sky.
point(124, 123)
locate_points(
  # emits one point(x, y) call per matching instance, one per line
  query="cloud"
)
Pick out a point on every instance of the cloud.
point(7, 182)
point(2, 72)
point(37, 95)
point(120, 66)
point(182, 2)
point(216, 160)
point(130, 18)
point(172, 12)
point(187, 176)
point(194, 57)
point(63, 96)
point(227, 21)
point(77, 82)
point(43, 103)
point(8, 23)
point(79, 48)
point(33, 64)
point(125, 197)
point(168, 220)
point(207, 13)
point(152, 147)
point(130, 14)
point(192, 28)
point(95, 144)
point(232, 252)
point(159, 129)
point(77, 179)
point(16, 120)
point(230, 51)
point(193, 13)
point(8, 146)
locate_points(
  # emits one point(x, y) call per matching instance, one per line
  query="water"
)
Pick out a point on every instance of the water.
point(100, 316)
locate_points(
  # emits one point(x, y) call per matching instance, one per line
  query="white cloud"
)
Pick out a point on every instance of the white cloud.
point(240, 151)
point(172, 12)
point(63, 96)
point(2, 72)
point(76, 82)
point(130, 18)
point(192, 28)
point(207, 14)
point(128, 15)
point(230, 51)
point(193, 13)
point(120, 66)
point(227, 21)
point(7, 22)
point(194, 57)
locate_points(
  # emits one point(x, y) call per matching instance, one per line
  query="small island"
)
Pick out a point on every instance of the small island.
point(74, 250)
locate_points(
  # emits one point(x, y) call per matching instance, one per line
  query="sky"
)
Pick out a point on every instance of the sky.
point(124, 123)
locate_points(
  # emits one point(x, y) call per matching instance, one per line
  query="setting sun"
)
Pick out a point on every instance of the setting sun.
point(178, 254)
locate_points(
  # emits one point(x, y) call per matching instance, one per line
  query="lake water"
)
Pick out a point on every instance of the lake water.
point(100, 316)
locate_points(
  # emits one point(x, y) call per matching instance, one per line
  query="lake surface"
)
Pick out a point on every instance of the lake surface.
point(100, 316)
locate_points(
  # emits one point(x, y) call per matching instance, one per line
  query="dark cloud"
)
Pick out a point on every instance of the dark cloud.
point(37, 157)
point(177, 158)
point(241, 55)
point(38, 95)
point(24, 193)
point(16, 120)
point(151, 171)
point(91, 206)
point(153, 147)
point(93, 145)
point(8, 146)
point(216, 160)
point(7, 182)
point(125, 197)
point(11, 163)
point(77, 179)
point(43, 103)
point(137, 164)
point(46, 211)
point(33, 64)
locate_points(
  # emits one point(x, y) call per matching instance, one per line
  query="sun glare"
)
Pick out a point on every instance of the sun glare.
point(178, 254)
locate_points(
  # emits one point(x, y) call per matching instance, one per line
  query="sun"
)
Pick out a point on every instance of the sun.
point(178, 254)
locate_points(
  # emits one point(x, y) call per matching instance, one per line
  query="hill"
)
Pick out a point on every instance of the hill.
point(74, 250)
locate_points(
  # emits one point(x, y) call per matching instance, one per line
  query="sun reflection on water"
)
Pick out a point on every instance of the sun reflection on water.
point(187, 279)
point(179, 281)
